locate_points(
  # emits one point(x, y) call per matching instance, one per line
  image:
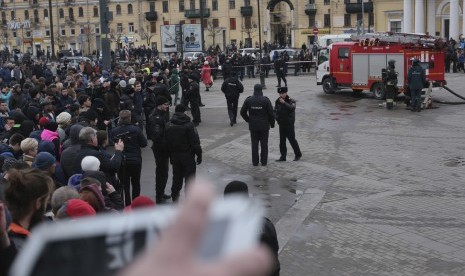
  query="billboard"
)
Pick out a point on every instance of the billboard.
point(168, 38)
point(192, 37)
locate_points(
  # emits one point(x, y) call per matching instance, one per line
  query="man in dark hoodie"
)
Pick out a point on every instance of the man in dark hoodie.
point(183, 143)
point(258, 112)
point(232, 88)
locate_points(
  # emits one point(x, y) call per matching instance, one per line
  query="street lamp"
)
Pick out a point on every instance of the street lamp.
point(262, 73)
point(52, 36)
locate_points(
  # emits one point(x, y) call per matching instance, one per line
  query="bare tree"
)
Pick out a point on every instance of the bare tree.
point(249, 28)
point(146, 34)
point(61, 40)
point(3, 36)
point(88, 38)
point(213, 31)
point(115, 37)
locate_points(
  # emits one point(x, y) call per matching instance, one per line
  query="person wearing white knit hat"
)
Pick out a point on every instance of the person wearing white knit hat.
point(63, 120)
point(90, 163)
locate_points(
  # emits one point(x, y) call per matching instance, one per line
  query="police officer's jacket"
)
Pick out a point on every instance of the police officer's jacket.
point(285, 112)
point(156, 130)
point(133, 139)
point(181, 135)
point(232, 87)
point(258, 111)
point(416, 77)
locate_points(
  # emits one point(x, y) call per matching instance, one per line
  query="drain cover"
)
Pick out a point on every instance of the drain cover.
point(455, 162)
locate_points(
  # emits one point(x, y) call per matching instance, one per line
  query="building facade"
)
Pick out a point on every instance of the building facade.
point(437, 17)
point(25, 24)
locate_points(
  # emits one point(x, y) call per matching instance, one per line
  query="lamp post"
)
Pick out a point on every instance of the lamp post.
point(52, 36)
point(262, 73)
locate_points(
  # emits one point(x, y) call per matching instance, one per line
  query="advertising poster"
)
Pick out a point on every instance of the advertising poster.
point(192, 37)
point(168, 38)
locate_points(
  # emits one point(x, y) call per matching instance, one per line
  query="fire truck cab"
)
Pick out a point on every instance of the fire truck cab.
point(358, 64)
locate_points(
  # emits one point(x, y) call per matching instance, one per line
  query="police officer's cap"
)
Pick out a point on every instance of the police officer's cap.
point(282, 90)
point(391, 61)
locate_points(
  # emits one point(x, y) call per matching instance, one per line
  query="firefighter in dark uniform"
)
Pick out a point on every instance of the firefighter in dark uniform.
point(258, 112)
point(183, 144)
point(285, 116)
point(193, 95)
point(232, 88)
point(390, 82)
point(279, 67)
point(416, 80)
point(156, 132)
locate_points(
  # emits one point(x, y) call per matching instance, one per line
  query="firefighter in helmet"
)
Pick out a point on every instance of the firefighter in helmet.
point(390, 82)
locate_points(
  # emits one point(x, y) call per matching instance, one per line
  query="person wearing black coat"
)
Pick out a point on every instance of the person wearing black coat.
point(416, 82)
point(134, 140)
point(258, 112)
point(160, 89)
point(193, 95)
point(89, 147)
point(183, 143)
point(232, 88)
point(285, 116)
point(70, 151)
point(156, 132)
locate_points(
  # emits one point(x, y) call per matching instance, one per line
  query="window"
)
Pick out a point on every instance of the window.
point(95, 11)
point(97, 30)
point(119, 28)
point(73, 31)
point(326, 2)
point(153, 27)
point(346, 1)
point(15, 34)
point(130, 11)
point(181, 5)
point(232, 23)
point(45, 13)
point(131, 27)
point(47, 33)
point(248, 22)
point(118, 9)
point(247, 3)
point(395, 26)
point(166, 22)
point(215, 5)
point(82, 30)
point(81, 12)
point(71, 14)
point(347, 22)
point(192, 4)
point(343, 53)
point(61, 13)
point(205, 23)
point(327, 19)
point(215, 23)
point(36, 16)
point(165, 6)
point(13, 15)
point(28, 34)
point(371, 19)
point(152, 6)
point(182, 22)
point(63, 31)
point(359, 17)
point(193, 21)
point(232, 4)
point(311, 21)
point(26, 15)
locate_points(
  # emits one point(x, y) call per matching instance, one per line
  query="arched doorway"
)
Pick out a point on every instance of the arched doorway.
point(280, 22)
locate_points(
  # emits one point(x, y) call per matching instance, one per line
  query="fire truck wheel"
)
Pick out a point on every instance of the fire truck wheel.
point(378, 91)
point(328, 86)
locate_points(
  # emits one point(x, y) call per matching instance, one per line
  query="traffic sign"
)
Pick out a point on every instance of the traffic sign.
point(315, 31)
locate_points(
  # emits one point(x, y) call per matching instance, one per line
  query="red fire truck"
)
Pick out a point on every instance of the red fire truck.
point(357, 64)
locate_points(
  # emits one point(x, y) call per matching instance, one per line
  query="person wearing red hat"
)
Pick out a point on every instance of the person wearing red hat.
point(140, 202)
point(75, 208)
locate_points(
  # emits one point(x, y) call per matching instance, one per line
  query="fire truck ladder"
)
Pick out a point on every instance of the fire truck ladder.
point(370, 39)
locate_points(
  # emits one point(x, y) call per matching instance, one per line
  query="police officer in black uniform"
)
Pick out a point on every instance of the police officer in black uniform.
point(258, 112)
point(193, 95)
point(285, 116)
point(232, 88)
point(156, 132)
point(279, 67)
point(390, 82)
point(416, 81)
point(183, 144)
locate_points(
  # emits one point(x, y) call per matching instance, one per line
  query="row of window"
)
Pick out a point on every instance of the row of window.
point(72, 32)
point(182, 5)
point(61, 13)
point(347, 20)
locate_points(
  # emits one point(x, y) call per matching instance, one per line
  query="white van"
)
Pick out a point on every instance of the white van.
point(326, 40)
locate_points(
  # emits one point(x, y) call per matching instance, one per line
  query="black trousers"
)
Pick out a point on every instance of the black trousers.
point(262, 138)
point(131, 177)
point(184, 167)
point(161, 171)
point(232, 108)
point(281, 75)
point(288, 132)
point(195, 110)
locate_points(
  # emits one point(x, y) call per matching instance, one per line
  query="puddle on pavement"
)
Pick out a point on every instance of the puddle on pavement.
point(455, 162)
